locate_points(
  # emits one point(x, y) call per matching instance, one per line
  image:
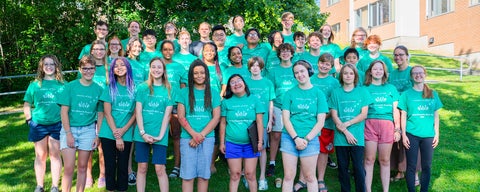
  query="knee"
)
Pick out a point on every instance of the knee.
point(142, 169)
point(235, 175)
point(160, 172)
point(41, 156)
point(275, 136)
point(384, 161)
point(250, 175)
point(288, 177)
point(310, 178)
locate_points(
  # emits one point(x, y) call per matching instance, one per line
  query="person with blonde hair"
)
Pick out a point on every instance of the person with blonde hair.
point(42, 115)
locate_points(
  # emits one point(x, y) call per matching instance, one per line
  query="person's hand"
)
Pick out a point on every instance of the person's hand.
point(148, 138)
point(96, 142)
point(222, 148)
point(300, 143)
point(198, 138)
point(70, 140)
point(269, 126)
point(120, 144)
point(260, 146)
point(396, 136)
point(350, 138)
point(435, 141)
point(406, 142)
point(192, 143)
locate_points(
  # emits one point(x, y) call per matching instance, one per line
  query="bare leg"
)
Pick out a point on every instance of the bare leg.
point(369, 163)
point(141, 176)
point(251, 173)
point(55, 160)
point(384, 151)
point(68, 156)
point(309, 174)
point(235, 166)
point(187, 185)
point(202, 185)
point(322, 166)
point(289, 169)
point(82, 162)
point(162, 177)
point(40, 164)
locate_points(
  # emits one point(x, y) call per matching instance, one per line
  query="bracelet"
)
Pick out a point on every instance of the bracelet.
point(308, 140)
point(295, 138)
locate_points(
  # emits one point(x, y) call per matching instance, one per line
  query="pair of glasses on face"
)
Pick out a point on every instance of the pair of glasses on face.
point(49, 64)
point(235, 82)
point(88, 69)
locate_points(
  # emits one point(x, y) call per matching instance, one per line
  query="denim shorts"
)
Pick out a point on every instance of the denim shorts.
point(84, 136)
point(142, 153)
point(278, 123)
point(235, 151)
point(287, 145)
point(38, 131)
point(196, 161)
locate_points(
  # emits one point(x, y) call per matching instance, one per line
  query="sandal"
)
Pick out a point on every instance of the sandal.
point(324, 188)
point(301, 184)
point(417, 182)
point(175, 172)
point(397, 178)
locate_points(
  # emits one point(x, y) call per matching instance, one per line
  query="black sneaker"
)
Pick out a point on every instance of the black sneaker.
point(271, 170)
point(331, 164)
point(38, 189)
point(132, 178)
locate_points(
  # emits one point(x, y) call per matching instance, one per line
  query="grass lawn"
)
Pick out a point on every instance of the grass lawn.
point(455, 164)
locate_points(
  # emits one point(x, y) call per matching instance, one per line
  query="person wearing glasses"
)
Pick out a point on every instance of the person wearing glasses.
point(287, 23)
point(358, 37)
point(254, 47)
point(115, 49)
point(79, 105)
point(149, 38)
point(170, 34)
point(101, 32)
point(219, 37)
point(42, 116)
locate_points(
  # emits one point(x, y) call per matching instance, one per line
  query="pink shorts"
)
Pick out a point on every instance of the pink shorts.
point(379, 130)
point(326, 141)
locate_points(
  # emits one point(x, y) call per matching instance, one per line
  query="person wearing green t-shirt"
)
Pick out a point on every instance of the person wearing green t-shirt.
point(349, 108)
point(237, 38)
point(287, 20)
point(304, 109)
point(79, 104)
point(149, 38)
point(218, 36)
point(210, 57)
point(44, 120)
point(199, 114)
point(134, 29)
point(254, 47)
point(153, 108)
point(358, 37)
point(373, 44)
point(275, 39)
point(116, 131)
point(239, 111)
point(314, 43)
point(299, 39)
point(177, 79)
point(235, 57)
point(351, 57)
point(101, 32)
point(283, 80)
point(262, 88)
point(170, 32)
point(326, 83)
point(420, 124)
point(184, 57)
point(115, 49)
point(139, 71)
point(382, 126)
point(329, 47)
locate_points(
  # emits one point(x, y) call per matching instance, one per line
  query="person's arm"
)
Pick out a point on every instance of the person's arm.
point(165, 122)
point(436, 127)
point(259, 121)
point(197, 137)
point(317, 127)
point(222, 92)
point(403, 125)
point(300, 142)
point(396, 121)
point(138, 114)
point(270, 117)
point(66, 125)
point(212, 123)
point(223, 124)
point(27, 111)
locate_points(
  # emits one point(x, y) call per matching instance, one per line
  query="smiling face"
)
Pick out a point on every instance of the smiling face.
point(236, 56)
point(314, 42)
point(184, 41)
point(199, 75)
point(373, 47)
point(237, 86)
point(170, 29)
point(287, 23)
point(114, 46)
point(301, 74)
point(351, 58)
point(135, 48)
point(49, 67)
point(418, 74)
point(359, 37)
point(238, 23)
point(209, 53)
point(348, 76)
point(150, 41)
point(98, 51)
point(120, 69)
point(324, 67)
point(326, 32)
point(377, 71)
point(300, 41)
point(219, 37)
point(134, 29)
point(277, 39)
point(167, 51)
point(156, 69)
point(88, 71)
point(255, 69)
point(101, 31)
point(400, 57)
point(204, 30)
point(285, 55)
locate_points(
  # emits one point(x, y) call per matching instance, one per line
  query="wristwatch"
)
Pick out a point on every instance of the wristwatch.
point(142, 132)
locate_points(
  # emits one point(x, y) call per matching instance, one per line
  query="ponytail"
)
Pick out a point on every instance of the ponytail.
point(427, 92)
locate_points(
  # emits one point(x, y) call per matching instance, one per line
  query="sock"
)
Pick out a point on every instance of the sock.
point(272, 163)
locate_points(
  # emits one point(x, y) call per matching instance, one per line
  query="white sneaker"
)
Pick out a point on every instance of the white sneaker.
point(262, 185)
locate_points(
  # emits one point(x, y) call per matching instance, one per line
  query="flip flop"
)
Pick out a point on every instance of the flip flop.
point(302, 186)
point(323, 188)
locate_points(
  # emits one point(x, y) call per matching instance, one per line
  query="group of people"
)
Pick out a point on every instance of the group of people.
point(204, 95)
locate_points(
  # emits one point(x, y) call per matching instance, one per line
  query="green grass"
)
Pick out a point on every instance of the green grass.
point(455, 164)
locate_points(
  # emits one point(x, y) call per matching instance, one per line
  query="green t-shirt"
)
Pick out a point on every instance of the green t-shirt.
point(122, 111)
point(242, 71)
point(145, 58)
point(223, 60)
point(326, 84)
point(260, 51)
point(234, 40)
point(239, 113)
point(176, 75)
point(304, 106)
point(383, 97)
point(200, 117)
point(83, 102)
point(289, 39)
point(175, 44)
point(184, 59)
point(361, 52)
point(349, 105)
point(272, 60)
point(153, 110)
point(331, 48)
point(100, 76)
point(215, 83)
point(420, 112)
point(138, 71)
point(401, 79)
point(85, 51)
point(365, 62)
point(312, 59)
point(125, 43)
point(283, 80)
point(43, 101)
point(263, 90)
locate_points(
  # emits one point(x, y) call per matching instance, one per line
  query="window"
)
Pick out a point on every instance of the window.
point(380, 12)
point(474, 2)
point(336, 28)
point(361, 17)
point(331, 2)
point(438, 7)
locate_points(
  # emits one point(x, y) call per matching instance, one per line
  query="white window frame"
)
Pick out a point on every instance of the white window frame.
point(376, 15)
point(336, 28)
point(435, 7)
point(359, 20)
point(474, 2)
point(332, 2)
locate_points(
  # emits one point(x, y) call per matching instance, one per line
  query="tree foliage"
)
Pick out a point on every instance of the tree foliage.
point(30, 29)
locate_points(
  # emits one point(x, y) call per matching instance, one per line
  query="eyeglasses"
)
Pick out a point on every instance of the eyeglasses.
point(149, 38)
point(398, 55)
point(234, 82)
point(360, 35)
point(114, 44)
point(219, 35)
point(98, 49)
point(49, 64)
point(87, 69)
point(102, 29)
point(253, 35)
point(417, 73)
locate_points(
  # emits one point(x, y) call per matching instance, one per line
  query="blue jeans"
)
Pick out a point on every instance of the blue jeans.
point(356, 153)
point(426, 152)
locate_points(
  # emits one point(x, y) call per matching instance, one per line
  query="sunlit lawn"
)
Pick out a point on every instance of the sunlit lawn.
point(456, 165)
